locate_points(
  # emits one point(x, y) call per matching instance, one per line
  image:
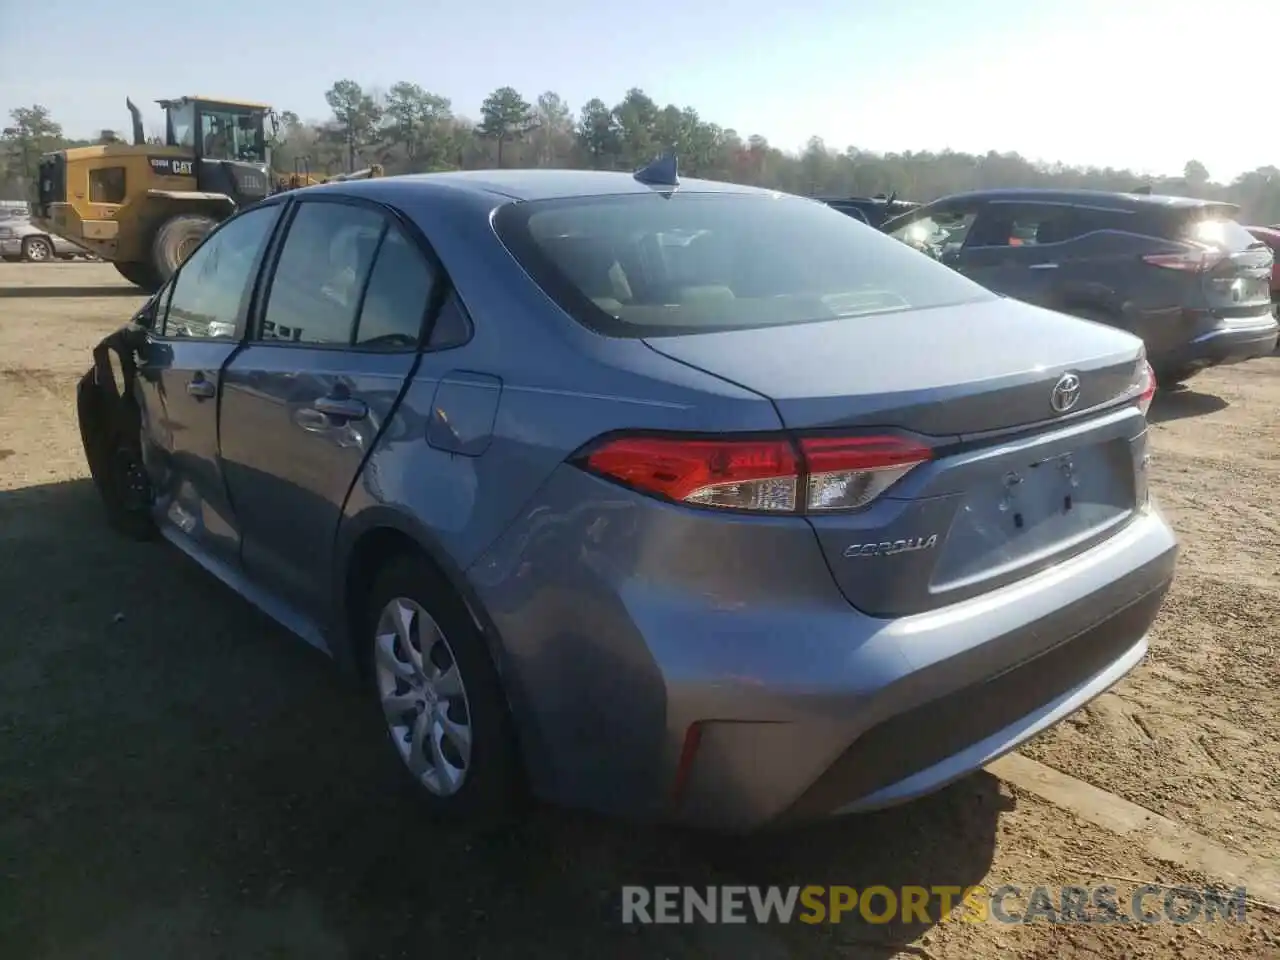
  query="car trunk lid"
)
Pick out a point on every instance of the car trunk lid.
point(946, 371)
point(1014, 485)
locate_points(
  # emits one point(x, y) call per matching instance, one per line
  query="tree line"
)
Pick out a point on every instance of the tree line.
point(408, 129)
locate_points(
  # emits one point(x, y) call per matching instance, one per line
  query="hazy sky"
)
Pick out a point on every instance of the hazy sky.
point(1143, 83)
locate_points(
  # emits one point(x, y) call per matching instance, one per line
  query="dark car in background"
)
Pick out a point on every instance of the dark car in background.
point(1179, 272)
point(874, 211)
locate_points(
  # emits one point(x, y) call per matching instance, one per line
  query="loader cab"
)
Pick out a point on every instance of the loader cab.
point(228, 140)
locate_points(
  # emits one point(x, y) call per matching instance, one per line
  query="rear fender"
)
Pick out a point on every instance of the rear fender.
point(378, 517)
point(340, 632)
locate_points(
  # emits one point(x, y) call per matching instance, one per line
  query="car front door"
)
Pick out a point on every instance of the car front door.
point(319, 378)
point(938, 230)
point(195, 329)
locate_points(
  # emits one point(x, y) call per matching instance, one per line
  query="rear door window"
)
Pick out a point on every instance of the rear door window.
point(652, 264)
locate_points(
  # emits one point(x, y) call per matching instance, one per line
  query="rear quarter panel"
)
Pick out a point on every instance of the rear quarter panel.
point(1105, 278)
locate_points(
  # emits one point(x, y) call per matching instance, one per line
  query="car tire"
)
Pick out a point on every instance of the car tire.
point(490, 793)
point(139, 274)
point(37, 249)
point(175, 240)
point(115, 463)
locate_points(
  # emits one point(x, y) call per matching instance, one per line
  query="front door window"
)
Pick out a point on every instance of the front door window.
point(940, 234)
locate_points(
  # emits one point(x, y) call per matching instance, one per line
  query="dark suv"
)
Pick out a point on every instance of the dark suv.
point(1181, 273)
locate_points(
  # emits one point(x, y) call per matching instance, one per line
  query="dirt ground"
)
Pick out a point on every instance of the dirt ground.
point(179, 778)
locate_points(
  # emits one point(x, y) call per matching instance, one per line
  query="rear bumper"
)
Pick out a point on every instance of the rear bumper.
point(626, 623)
point(974, 725)
point(969, 693)
point(1226, 344)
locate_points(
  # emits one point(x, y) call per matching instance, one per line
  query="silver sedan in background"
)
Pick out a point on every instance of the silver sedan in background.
point(22, 240)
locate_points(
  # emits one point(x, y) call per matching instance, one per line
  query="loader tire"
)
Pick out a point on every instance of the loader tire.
point(175, 240)
point(139, 274)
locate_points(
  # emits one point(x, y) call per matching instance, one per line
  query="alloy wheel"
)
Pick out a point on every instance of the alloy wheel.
point(424, 700)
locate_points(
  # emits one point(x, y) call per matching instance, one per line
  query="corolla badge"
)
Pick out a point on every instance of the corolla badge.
point(1066, 393)
point(887, 548)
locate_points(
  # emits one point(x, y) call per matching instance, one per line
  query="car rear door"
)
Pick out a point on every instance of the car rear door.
point(199, 316)
point(316, 383)
point(1018, 249)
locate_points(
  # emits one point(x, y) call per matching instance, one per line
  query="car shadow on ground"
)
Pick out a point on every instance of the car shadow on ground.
point(1183, 402)
point(178, 777)
point(29, 292)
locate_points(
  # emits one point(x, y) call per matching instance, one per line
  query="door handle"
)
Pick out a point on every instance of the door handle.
point(1042, 266)
point(342, 408)
point(200, 388)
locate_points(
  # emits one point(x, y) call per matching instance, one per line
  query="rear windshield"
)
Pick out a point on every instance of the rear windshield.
point(662, 265)
point(1214, 227)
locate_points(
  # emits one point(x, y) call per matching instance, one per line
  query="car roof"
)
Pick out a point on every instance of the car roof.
point(524, 185)
point(1049, 195)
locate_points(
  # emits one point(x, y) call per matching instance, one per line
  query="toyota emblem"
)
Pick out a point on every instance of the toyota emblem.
point(1066, 393)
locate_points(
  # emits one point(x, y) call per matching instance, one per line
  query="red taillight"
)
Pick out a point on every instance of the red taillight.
point(845, 473)
point(1146, 386)
point(771, 475)
point(1190, 261)
point(759, 473)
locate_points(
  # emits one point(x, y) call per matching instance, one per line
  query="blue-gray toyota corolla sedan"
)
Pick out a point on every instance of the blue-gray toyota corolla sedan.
point(668, 499)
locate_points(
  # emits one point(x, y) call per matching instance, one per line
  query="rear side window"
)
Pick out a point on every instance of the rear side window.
point(397, 297)
point(651, 264)
point(324, 263)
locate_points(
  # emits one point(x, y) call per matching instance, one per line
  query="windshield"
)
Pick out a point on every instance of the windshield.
point(652, 265)
point(232, 135)
point(182, 123)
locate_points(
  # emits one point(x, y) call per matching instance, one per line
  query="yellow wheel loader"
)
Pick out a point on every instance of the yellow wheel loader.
point(145, 207)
